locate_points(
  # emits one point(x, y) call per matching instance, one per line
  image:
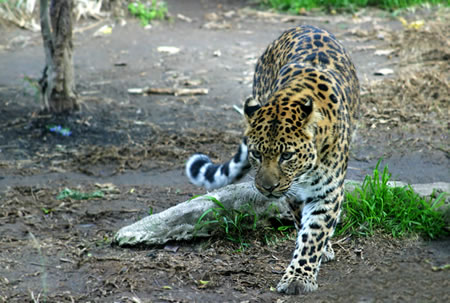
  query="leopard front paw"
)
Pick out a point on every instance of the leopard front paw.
point(328, 253)
point(293, 285)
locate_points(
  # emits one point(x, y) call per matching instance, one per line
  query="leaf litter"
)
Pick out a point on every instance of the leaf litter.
point(417, 98)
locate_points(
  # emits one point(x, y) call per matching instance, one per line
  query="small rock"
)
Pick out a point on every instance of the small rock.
point(384, 72)
point(184, 18)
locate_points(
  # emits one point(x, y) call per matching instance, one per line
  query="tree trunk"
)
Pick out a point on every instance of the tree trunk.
point(57, 83)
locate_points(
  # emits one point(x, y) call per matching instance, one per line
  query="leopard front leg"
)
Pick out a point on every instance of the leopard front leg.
point(318, 222)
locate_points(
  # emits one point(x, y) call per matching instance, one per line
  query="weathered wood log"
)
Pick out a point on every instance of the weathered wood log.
point(179, 222)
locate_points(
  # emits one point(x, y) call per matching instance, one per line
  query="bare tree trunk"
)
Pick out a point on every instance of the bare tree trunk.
point(57, 83)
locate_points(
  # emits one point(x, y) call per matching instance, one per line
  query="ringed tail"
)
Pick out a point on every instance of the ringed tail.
point(201, 171)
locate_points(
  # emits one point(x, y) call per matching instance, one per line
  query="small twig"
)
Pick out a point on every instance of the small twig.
point(82, 29)
point(130, 210)
point(157, 282)
point(238, 110)
point(34, 196)
point(342, 247)
point(109, 259)
point(341, 240)
point(169, 91)
point(7, 146)
point(67, 260)
point(136, 299)
point(43, 265)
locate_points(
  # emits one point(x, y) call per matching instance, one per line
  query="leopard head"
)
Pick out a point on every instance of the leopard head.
point(280, 138)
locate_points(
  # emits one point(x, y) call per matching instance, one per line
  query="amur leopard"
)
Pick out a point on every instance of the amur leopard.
point(299, 123)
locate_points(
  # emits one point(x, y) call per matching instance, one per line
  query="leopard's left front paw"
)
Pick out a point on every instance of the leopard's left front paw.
point(293, 285)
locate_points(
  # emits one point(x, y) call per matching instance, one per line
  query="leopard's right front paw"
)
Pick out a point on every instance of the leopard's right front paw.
point(328, 253)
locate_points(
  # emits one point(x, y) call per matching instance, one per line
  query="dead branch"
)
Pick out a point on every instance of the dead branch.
point(169, 91)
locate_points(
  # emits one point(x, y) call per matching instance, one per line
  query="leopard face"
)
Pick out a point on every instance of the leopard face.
point(280, 138)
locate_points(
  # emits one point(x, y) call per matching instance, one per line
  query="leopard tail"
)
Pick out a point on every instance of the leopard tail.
point(201, 171)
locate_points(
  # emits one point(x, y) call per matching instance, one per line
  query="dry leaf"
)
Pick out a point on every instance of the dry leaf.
point(103, 31)
point(211, 17)
point(413, 25)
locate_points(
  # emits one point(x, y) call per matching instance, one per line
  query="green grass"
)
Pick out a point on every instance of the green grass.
point(399, 211)
point(294, 6)
point(232, 222)
point(372, 207)
point(77, 195)
point(241, 225)
point(146, 11)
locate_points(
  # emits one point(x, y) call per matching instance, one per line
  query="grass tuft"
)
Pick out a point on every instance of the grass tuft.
point(77, 195)
point(148, 10)
point(232, 222)
point(241, 225)
point(395, 210)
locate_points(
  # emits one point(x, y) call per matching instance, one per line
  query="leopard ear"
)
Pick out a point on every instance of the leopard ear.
point(311, 116)
point(307, 107)
point(250, 107)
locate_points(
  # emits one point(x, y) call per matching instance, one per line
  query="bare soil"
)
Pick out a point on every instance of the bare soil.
point(133, 147)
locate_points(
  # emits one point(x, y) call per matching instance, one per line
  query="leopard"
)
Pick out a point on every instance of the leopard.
point(299, 123)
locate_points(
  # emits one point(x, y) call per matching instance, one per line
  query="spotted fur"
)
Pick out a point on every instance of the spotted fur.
point(299, 123)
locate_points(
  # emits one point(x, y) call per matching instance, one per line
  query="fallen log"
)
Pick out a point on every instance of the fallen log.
point(179, 222)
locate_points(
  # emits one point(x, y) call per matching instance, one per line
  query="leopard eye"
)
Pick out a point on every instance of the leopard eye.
point(286, 156)
point(256, 154)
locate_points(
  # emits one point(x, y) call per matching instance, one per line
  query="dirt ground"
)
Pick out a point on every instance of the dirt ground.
point(133, 147)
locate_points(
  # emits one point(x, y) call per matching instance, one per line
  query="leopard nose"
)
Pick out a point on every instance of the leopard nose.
point(270, 187)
